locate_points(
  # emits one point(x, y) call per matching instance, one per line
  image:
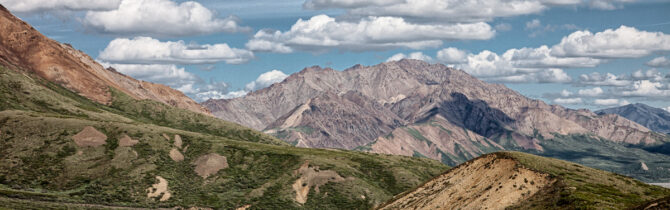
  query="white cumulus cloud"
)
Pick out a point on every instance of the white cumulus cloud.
point(602, 79)
point(646, 88)
point(659, 62)
point(593, 92)
point(213, 94)
point(414, 55)
point(651, 74)
point(623, 42)
point(608, 4)
point(179, 79)
point(321, 33)
point(439, 10)
point(170, 75)
point(164, 18)
point(453, 10)
point(542, 76)
point(565, 93)
point(265, 80)
point(610, 102)
point(515, 65)
point(568, 101)
point(580, 49)
point(147, 50)
point(452, 55)
point(536, 27)
point(328, 4)
point(542, 57)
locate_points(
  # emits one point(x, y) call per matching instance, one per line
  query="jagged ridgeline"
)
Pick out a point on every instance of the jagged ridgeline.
point(414, 108)
point(58, 149)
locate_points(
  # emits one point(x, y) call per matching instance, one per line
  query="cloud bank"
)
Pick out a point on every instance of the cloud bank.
point(322, 33)
point(162, 18)
point(147, 50)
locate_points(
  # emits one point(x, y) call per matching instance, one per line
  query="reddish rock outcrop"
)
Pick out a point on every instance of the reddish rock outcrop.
point(22, 47)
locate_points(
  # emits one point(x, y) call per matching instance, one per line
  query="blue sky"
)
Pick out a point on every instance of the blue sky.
point(213, 48)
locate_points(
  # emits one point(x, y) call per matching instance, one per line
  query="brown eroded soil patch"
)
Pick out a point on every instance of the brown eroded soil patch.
point(312, 177)
point(159, 189)
point(199, 208)
point(176, 155)
point(245, 207)
point(126, 141)
point(89, 137)
point(177, 141)
point(209, 164)
point(485, 183)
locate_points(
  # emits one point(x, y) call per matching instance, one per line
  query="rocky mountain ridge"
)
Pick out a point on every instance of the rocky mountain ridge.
point(653, 118)
point(22, 47)
point(432, 110)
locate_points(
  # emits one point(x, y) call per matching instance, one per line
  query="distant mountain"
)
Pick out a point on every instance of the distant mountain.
point(656, 119)
point(414, 108)
point(22, 47)
point(513, 180)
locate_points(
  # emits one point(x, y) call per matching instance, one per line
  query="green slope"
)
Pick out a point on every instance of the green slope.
point(42, 167)
point(607, 155)
point(560, 185)
point(583, 187)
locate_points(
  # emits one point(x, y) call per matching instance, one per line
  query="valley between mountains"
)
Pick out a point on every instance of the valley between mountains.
point(398, 135)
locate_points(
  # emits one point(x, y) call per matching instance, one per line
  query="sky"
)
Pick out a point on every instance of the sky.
point(589, 54)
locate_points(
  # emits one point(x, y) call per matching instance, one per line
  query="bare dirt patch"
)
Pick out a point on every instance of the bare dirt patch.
point(199, 208)
point(159, 189)
point(126, 141)
point(89, 137)
point(245, 207)
point(209, 164)
point(311, 176)
point(176, 155)
point(177, 141)
point(486, 183)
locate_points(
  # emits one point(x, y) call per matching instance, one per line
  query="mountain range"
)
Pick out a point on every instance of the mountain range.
point(656, 119)
point(413, 108)
point(74, 135)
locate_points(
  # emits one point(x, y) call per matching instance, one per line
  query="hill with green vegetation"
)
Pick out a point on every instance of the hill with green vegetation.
point(61, 150)
point(515, 180)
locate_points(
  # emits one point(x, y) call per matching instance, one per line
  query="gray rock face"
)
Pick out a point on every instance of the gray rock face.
point(411, 107)
point(653, 118)
point(336, 121)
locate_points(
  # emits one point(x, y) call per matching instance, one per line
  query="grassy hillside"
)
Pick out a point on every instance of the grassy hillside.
point(41, 166)
point(29, 93)
point(609, 156)
point(582, 187)
point(516, 180)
